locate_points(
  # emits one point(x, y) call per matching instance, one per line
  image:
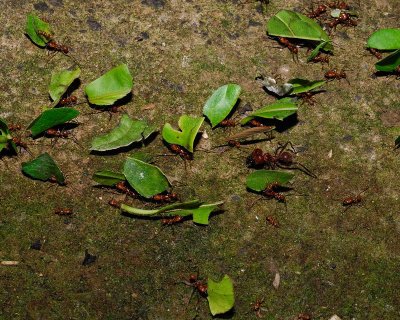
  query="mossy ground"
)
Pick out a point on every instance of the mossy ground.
point(330, 261)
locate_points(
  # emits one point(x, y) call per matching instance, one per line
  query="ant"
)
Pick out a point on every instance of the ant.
point(19, 143)
point(114, 203)
point(270, 192)
point(320, 58)
point(14, 127)
point(53, 179)
point(375, 52)
point(172, 220)
point(292, 48)
point(122, 187)
point(335, 74)
point(53, 45)
point(46, 35)
point(186, 155)
point(307, 97)
point(228, 123)
point(272, 221)
point(281, 159)
point(321, 9)
point(168, 197)
point(56, 133)
point(257, 307)
point(198, 285)
point(352, 200)
point(304, 316)
point(256, 123)
point(69, 101)
point(344, 19)
point(63, 211)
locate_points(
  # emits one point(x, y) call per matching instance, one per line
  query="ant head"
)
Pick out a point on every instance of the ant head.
point(193, 278)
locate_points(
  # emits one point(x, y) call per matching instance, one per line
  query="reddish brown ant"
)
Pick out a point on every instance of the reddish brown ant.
point(256, 123)
point(168, 197)
point(320, 58)
point(198, 285)
point(63, 211)
point(53, 45)
point(307, 97)
point(114, 203)
point(56, 133)
point(304, 316)
point(228, 123)
point(292, 48)
point(272, 221)
point(281, 159)
point(14, 127)
point(257, 307)
point(375, 52)
point(172, 220)
point(181, 152)
point(72, 100)
point(335, 74)
point(19, 143)
point(321, 9)
point(270, 192)
point(122, 187)
point(352, 200)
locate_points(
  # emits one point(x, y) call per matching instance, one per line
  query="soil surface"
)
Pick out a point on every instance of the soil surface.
point(329, 260)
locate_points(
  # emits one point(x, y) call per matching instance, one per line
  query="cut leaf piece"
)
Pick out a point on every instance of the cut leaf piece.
point(51, 118)
point(389, 63)
point(33, 28)
point(290, 24)
point(220, 295)
point(169, 208)
point(5, 137)
point(190, 127)
point(278, 110)
point(127, 132)
point(60, 81)
point(110, 87)
point(221, 102)
point(385, 39)
point(43, 168)
point(145, 178)
point(200, 214)
point(304, 85)
point(258, 180)
point(397, 142)
point(316, 50)
point(108, 178)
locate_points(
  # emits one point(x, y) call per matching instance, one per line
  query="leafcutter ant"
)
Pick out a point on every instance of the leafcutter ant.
point(257, 307)
point(320, 58)
point(68, 101)
point(124, 188)
point(167, 197)
point(375, 52)
point(270, 192)
point(272, 221)
point(307, 97)
point(14, 127)
point(172, 220)
point(63, 211)
point(321, 9)
point(335, 74)
point(198, 285)
point(184, 154)
point(114, 203)
point(292, 47)
point(353, 200)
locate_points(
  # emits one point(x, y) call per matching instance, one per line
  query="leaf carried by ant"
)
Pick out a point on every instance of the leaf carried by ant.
point(108, 178)
point(5, 137)
point(280, 109)
point(200, 214)
point(146, 179)
point(385, 39)
point(43, 168)
point(60, 81)
point(258, 180)
point(220, 295)
point(192, 204)
point(397, 142)
point(189, 128)
point(304, 85)
point(127, 132)
point(389, 63)
point(110, 87)
point(290, 24)
point(50, 118)
point(316, 50)
point(33, 26)
point(221, 102)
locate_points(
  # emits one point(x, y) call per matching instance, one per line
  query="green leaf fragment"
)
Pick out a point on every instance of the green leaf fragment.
point(389, 63)
point(33, 27)
point(146, 179)
point(397, 142)
point(316, 50)
point(5, 137)
point(60, 81)
point(385, 39)
point(108, 178)
point(169, 208)
point(110, 87)
point(220, 295)
point(43, 168)
point(190, 127)
point(221, 102)
point(304, 85)
point(290, 24)
point(127, 132)
point(200, 214)
point(50, 118)
point(280, 109)
point(260, 179)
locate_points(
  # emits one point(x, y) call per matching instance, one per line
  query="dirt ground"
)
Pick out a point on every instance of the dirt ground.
point(330, 260)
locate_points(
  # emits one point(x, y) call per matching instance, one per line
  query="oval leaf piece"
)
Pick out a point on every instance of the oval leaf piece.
point(145, 178)
point(60, 81)
point(304, 85)
point(190, 127)
point(33, 28)
point(258, 180)
point(278, 110)
point(290, 24)
point(108, 178)
point(127, 132)
point(389, 63)
point(43, 168)
point(220, 295)
point(221, 102)
point(200, 214)
point(110, 87)
point(5, 137)
point(385, 39)
point(51, 118)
